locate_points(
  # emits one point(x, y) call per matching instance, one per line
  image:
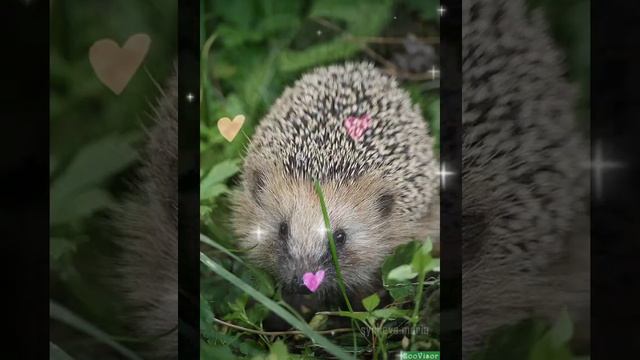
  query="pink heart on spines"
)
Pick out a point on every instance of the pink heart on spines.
point(312, 281)
point(357, 125)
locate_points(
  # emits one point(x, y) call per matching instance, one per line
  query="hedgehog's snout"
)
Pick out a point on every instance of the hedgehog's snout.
point(293, 272)
point(295, 285)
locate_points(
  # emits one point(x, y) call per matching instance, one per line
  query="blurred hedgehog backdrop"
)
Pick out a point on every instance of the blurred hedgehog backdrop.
point(96, 142)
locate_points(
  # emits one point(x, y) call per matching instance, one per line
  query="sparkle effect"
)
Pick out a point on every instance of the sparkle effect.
point(443, 175)
point(442, 10)
point(434, 72)
point(190, 97)
point(598, 165)
point(258, 233)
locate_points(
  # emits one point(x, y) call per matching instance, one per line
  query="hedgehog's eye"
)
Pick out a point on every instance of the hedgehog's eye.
point(339, 236)
point(284, 230)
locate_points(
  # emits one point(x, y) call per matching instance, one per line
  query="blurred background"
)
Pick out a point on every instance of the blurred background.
point(95, 135)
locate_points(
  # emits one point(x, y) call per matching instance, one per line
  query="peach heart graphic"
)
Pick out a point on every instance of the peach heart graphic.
point(312, 281)
point(114, 65)
point(230, 128)
point(357, 125)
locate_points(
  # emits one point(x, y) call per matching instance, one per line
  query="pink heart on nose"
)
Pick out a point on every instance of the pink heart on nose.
point(357, 125)
point(312, 281)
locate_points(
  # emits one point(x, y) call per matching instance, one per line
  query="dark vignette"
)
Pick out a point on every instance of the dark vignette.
point(189, 181)
point(615, 217)
point(450, 200)
point(24, 144)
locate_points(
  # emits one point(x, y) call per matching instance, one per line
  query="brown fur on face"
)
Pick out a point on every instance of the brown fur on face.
point(373, 230)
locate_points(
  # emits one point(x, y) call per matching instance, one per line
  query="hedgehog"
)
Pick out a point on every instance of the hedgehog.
point(355, 131)
point(146, 225)
point(525, 247)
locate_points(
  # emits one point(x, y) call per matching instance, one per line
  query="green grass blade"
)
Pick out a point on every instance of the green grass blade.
point(55, 353)
point(334, 256)
point(205, 239)
point(274, 307)
point(60, 313)
point(332, 243)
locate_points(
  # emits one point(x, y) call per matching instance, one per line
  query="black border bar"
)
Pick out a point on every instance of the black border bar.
point(189, 179)
point(615, 215)
point(24, 179)
point(451, 195)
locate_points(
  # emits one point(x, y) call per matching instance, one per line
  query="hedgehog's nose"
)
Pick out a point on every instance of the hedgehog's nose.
point(302, 289)
point(296, 286)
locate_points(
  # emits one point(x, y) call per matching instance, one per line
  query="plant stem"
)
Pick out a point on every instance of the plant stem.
point(332, 244)
point(334, 256)
point(276, 333)
point(415, 318)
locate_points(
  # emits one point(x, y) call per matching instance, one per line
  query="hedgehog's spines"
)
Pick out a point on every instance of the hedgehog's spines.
point(305, 133)
point(146, 227)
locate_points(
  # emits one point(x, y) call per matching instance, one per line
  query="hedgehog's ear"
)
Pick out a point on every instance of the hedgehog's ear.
point(256, 185)
point(384, 204)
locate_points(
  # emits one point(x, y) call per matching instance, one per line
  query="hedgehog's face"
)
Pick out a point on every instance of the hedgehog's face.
point(280, 223)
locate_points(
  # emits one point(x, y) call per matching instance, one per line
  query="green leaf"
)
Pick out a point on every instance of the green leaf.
point(422, 260)
point(94, 164)
point(212, 184)
point(371, 302)
point(278, 351)
point(402, 255)
point(79, 205)
point(391, 313)
point(218, 352)
point(274, 307)
point(318, 321)
point(402, 273)
point(338, 49)
point(60, 247)
point(401, 292)
point(530, 339)
point(257, 313)
point(206, 319)
point(211, 192)
point(562, 330)
point(553, 345)
point(220, 172)
point(353, 13)
point(242, 14)
point(205, 211)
